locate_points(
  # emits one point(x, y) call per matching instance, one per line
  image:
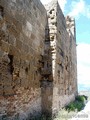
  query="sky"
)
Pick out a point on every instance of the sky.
point(80, 10)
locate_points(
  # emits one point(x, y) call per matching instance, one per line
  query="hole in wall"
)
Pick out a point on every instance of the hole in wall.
point(66, 67)
point(26, 70)
point(1, 11)
point(51, 11)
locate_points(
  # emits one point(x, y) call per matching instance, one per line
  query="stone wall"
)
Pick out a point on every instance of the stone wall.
point(37, 59)
point(22, 35)
point(63, 49)
point(70, 23)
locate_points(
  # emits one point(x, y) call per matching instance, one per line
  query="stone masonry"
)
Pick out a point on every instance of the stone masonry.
point(38, 73)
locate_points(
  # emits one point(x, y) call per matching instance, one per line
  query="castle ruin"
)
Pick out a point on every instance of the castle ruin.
point(38, 72)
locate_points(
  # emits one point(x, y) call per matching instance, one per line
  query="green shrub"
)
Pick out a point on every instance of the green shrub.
point(78, 104)
point(85, 97)
point(70, 107)
point(80, 98)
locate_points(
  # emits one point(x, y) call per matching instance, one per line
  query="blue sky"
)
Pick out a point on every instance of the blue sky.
point(80, 10)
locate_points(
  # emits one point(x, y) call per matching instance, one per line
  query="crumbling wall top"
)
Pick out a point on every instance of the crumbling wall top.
point(70, 23)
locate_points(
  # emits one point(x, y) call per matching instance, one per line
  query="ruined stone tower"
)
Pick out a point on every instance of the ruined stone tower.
point(38, 72)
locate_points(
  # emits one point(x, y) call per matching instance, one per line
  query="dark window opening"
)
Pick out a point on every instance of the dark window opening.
point(51, 11)
point(55, 23)
point(1, 11)
point(26, 70)
point(66, 67)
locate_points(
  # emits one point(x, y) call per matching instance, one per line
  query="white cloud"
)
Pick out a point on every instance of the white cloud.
point(62, 3)
point(77, 8)
point(83, 64)
point(45, 1)
point(80, 8)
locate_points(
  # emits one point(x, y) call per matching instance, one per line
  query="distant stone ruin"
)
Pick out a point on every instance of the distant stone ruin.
point(38, 66)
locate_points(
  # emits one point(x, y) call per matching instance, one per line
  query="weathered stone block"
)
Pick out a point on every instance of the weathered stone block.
point(5, 46)
point(12, 40)
point(19, 44)
point(8, 90)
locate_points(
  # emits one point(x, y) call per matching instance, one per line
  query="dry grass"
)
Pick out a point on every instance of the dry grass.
point(65, 115)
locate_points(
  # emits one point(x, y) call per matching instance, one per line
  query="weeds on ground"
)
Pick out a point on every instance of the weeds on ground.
point(70, 110)
point(65, 115)
point(78, 104)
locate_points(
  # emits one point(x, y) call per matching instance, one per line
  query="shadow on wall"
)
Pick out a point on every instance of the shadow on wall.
point(47, 79)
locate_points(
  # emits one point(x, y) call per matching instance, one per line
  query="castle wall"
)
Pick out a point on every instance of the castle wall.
point(37, 59)
point(70, 23)
point(22, 35)
point(63, 49)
